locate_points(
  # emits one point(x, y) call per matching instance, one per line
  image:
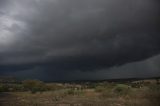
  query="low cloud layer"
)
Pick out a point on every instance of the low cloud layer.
point(62, 36)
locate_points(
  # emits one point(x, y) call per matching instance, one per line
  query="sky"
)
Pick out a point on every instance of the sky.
point(79, 39)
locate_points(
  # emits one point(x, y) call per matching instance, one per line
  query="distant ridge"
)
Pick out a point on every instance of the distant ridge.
point(10, 79)
point(107, 80)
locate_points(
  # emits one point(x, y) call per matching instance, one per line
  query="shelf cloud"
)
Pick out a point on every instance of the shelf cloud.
point(59, 37)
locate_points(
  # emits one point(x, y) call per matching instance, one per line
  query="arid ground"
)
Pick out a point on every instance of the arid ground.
point(138, 93)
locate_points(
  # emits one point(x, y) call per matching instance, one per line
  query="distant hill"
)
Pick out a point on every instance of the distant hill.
point(9, 79)
point(107, 80)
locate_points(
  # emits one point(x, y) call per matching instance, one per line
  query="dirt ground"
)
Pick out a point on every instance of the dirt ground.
point(88, 98)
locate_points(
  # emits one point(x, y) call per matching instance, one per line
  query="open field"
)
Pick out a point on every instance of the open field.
point(137, 93)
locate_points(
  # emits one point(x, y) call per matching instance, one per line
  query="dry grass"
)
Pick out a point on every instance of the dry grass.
point(99, 96)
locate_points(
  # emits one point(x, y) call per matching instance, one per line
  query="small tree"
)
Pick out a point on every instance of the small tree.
point(34, 86)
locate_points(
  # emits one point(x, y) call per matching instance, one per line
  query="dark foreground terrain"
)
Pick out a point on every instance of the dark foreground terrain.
point(37, 93)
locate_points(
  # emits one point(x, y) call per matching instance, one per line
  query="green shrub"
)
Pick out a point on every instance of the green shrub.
point(70, 92)
point(4, 88)
point(1, 88)
point(79, 92)
point(121, 89)
point(15, 87)
point(74, 92)
point(154, 87)
point(34, 90)
point(18, 87)
point(100, 89)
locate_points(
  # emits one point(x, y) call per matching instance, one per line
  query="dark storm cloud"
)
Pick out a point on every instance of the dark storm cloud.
point(146, 68)
point(63, 36)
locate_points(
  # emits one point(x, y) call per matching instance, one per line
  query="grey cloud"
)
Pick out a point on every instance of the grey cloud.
point(81, 35)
